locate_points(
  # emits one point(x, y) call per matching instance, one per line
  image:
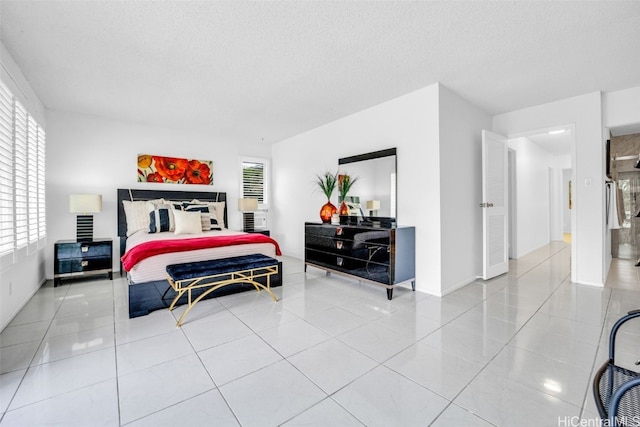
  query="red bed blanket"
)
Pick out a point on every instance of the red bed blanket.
point(157, 247)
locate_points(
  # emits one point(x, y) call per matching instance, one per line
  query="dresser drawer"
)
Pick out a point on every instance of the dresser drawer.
point(84, 250)
point(77, 265)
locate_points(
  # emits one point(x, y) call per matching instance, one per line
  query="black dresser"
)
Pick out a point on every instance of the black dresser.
point(380, 255)
point(78, 259)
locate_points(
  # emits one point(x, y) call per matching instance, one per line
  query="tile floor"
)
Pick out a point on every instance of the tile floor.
point(515, 351)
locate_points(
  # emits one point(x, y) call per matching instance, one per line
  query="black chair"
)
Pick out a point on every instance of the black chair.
point(617, 389)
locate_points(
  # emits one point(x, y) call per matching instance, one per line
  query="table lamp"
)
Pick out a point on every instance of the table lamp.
point(248, 207)
point(85, 204)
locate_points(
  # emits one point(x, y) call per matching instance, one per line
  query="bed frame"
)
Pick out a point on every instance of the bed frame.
point(149, 296)
point(183, 196)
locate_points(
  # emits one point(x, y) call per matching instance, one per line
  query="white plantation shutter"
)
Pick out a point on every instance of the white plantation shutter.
point(22, 180)
point(6, 172)
point(255, 186)
point(42, 211)
point(32, 181)
point(21, 177)
point(253, 181)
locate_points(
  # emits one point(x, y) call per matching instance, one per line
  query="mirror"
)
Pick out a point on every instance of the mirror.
point(376, 184)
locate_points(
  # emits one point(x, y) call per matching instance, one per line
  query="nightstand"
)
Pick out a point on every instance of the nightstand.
point(79, 259)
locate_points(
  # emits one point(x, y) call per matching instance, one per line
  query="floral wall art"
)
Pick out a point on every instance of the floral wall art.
point(174, 170)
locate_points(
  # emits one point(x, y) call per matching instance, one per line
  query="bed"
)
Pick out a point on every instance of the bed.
point(151, 238)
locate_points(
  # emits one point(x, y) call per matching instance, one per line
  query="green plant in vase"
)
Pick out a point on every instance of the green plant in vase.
point(327, 183)
point(345, 182)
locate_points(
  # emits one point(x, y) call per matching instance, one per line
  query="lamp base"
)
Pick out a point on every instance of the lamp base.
point(248, 222)
point(84, 228)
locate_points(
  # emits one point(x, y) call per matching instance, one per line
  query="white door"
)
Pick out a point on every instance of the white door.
point(494, 205)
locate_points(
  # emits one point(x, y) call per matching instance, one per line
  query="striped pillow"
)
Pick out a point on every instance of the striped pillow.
point(161, 219)
point(208, 218)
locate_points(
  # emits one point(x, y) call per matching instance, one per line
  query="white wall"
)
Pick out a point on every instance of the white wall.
point(22, 279)
point(585, 115)
point(533, 195)
point(461, 189)
point(621, 107)
point(409, 123)
point(88, 154)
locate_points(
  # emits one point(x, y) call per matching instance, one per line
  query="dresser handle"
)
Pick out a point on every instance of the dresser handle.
point(84, 248)
point(85, 263)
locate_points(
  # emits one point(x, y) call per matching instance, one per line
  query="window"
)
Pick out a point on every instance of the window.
point(255, 186)
point(22, 179)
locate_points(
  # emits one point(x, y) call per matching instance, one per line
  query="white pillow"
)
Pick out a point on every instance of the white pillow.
point(187, 222)
point(137, 214)
point(219, 209)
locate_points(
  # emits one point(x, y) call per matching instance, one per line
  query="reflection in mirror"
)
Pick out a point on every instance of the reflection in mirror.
point(374, 194)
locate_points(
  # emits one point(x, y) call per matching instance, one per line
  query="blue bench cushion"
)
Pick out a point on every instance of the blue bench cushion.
point(194, 270)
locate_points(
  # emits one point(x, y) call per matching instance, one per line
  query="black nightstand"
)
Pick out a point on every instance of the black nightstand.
point(79, 259)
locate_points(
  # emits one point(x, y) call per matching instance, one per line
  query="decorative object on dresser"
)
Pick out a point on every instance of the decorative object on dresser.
point(174, 170)
point(80, 259)
point(248, 207)
point(373, 206)
point(327, 183)
point(345, 183)
point(382, 255)
point(85, 205)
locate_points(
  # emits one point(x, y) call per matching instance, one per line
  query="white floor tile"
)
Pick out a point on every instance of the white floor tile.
point(232, 360)
point(63, 346)
point(325, 413)
point(51, 379)
point(20, 334)
point(210, 333)
point(206, 409)
point(271, 395)
point(385, 398)
point(332, 364)
point(16, 357)
point(293, 337)
point(94, 405)
point(8, 385)
point(503, 402)
point(376, 341)
point(142, 354)
point(150, 390)
point(456, 416)
point(464, 344)
point(440, 372)
point(336, 320)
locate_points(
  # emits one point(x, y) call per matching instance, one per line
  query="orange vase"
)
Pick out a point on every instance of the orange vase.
point(327, 211)
point(344, 209)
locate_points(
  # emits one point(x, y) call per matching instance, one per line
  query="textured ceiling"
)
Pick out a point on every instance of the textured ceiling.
point(252, 70)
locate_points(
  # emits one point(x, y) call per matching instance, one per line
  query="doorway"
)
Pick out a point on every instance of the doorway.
point(540, 176)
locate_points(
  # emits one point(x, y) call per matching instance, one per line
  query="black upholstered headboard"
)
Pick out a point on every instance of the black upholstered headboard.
point(135, 195)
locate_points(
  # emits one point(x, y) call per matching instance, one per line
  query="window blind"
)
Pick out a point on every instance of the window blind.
point(253, 181)
point(6, 171)
point(22, 180)
point(20, 172)
point(32, 182)
point(42, 206)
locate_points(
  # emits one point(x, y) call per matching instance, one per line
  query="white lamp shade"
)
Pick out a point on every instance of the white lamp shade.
point(373, 205)
point(247, 205)
point(85, 203)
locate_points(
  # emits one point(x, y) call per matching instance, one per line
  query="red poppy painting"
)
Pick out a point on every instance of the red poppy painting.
point(174, 170)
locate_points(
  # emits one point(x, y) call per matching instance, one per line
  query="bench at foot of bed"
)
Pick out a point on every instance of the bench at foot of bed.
point(188, 277)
